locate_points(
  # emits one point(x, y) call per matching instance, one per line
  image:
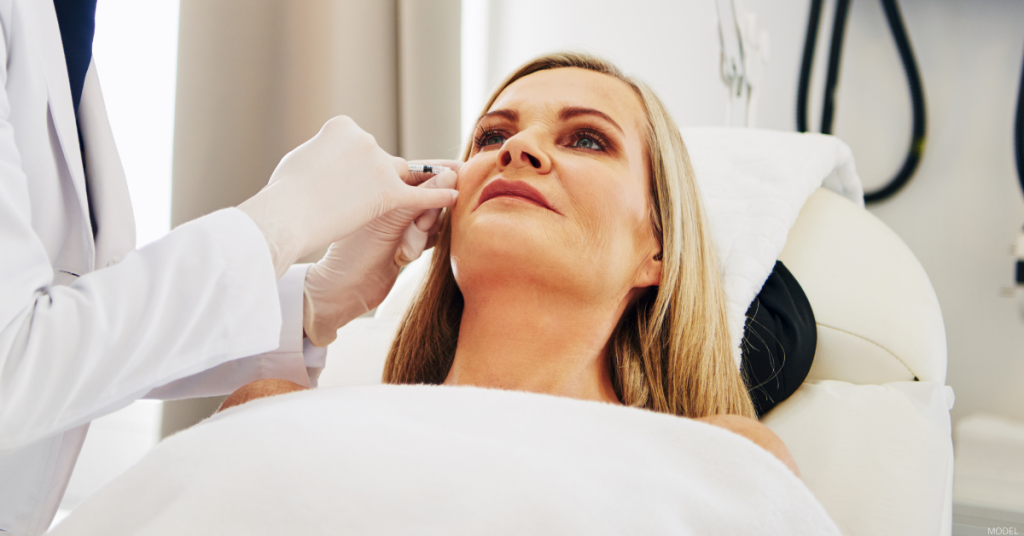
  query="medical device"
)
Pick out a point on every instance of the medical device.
point(1018, 146)
point(744, 55)
point(899, 34)
point(1018, 131)
point(427, 168)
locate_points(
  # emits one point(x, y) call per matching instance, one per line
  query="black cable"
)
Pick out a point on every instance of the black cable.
point(899, 33)
point(803, 86)
point(1018, 149)
point(834, 55)
point(917, 141)
point(1018, 131)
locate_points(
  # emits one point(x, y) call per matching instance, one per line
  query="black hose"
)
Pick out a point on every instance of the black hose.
point(1018, 131)
point(899, 33)
point(1018, 149)
point(917, 141)
point(803, 86)
point(834, 55)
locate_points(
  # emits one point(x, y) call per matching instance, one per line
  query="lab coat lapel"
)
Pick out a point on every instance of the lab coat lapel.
point(108, 189)
point(62, 109)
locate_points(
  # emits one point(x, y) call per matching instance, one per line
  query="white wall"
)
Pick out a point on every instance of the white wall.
point(136, 55)
point(962, 210)
point(680, 61)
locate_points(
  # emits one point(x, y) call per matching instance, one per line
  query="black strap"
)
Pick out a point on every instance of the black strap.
point(779, 340)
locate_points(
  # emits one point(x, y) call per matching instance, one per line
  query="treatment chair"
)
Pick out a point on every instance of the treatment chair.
point(869, 428)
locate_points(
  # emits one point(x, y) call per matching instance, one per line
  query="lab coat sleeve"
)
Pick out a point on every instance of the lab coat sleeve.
point(203, 295)
point(295, 359)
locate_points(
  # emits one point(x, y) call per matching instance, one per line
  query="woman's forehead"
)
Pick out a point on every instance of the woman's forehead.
point(547, 92)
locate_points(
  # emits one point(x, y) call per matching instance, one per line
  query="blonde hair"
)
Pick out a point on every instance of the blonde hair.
point(671, 351)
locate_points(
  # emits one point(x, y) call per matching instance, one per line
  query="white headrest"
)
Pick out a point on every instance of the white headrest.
point(753, 183)
point(878, 317)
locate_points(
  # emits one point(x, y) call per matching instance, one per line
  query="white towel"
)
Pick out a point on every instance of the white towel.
point(754, 183)
point(450, 460)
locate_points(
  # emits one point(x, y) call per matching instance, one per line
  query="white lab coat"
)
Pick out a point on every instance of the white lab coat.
point(89, 325)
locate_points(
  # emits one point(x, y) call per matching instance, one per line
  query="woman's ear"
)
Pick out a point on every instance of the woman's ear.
point(650, 271)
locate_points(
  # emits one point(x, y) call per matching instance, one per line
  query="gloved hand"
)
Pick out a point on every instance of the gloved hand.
point(329, 187)
point(357, 272)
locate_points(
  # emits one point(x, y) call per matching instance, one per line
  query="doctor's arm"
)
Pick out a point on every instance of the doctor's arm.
point(204, 295)
point(354, 277)
point(294, 359)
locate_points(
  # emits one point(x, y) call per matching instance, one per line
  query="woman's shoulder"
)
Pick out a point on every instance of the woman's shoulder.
point(760, 434)
point(260, 389)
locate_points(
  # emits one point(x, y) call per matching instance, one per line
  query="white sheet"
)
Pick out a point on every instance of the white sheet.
point(451, 460)
point(878, 457)
point(754, 183)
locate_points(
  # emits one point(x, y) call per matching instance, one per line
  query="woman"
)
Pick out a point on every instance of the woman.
point(576, 261)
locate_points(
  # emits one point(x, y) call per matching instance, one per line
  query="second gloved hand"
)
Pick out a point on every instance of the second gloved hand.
point(358, 272)
point(329, 187)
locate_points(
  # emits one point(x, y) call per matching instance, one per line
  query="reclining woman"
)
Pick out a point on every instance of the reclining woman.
point(577, 260)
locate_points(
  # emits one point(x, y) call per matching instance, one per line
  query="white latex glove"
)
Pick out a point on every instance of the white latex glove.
point(329, 187)
point(358, 272)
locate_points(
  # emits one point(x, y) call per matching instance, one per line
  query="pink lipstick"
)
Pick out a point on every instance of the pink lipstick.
point(521, 189)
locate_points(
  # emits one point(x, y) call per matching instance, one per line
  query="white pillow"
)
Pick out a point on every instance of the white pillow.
point(878, 457)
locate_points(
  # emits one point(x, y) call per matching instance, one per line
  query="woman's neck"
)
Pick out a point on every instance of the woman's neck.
point(527, 339)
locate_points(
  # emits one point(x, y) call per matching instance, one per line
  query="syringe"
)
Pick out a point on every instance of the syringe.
point(427, 168)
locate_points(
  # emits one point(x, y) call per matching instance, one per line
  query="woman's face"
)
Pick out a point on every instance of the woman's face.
point(555, 192)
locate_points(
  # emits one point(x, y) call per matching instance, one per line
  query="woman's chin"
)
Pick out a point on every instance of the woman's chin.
point(504, 230)
point(508, 242)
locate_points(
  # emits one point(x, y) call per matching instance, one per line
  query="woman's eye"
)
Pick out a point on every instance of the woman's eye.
point(587, 143)
point(494, 139)
point(490, 138)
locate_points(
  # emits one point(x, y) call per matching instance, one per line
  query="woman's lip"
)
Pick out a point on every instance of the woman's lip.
point(505, 187)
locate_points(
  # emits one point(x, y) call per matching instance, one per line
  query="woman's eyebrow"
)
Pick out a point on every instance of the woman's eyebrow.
point(574, 111)
point(511, 116)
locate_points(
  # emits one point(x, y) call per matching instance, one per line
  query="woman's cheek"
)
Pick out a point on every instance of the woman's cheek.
point(470, 178)
point(477, 166)
point(602, 202)
point(610, 215)
point(591, 221)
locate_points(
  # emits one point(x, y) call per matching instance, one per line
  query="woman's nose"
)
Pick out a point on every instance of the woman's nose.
point(523, 151)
